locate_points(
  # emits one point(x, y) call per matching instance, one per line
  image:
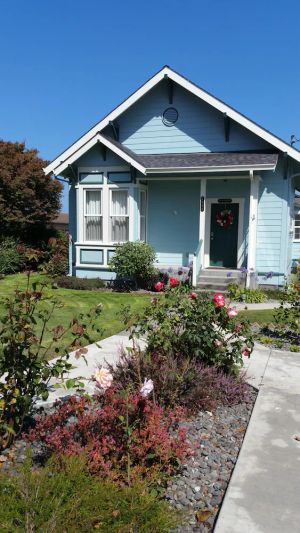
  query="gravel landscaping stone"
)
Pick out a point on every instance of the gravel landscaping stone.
point(200, 487)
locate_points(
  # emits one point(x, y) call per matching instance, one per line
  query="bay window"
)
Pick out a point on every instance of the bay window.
point(119, 215)
point(93, 215)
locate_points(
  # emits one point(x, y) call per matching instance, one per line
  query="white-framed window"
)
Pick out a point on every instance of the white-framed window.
point(143, 215)
point(119, 215)
point(93, 220)
point(297, 227)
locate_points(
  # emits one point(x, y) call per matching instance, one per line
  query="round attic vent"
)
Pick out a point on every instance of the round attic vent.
point(170, 116)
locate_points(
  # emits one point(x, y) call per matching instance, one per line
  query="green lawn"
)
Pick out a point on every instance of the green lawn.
point(79, 301)
point(261, 317)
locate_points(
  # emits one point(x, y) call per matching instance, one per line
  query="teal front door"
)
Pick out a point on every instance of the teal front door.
point(224, 238)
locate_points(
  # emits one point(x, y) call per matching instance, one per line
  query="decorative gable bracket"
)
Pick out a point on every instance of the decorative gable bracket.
point(226, 126)
point(115, 129)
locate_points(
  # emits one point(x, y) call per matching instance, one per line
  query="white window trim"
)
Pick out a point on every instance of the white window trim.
point(111, 189)
point(105, 187)
point(296, 226)
point(85, 215)
point(143, 189)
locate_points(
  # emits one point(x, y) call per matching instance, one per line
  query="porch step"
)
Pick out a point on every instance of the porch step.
point(216, 279)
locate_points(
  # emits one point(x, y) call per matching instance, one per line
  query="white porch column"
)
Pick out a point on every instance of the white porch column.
point(202, 218)
point(253, 208)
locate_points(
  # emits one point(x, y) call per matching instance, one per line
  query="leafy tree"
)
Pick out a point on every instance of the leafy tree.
point(28, 198)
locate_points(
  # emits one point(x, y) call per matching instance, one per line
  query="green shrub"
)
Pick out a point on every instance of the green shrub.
point(71, 282)
point(63, 497)
point(247, 295)
point(11, 259)
point(287, 317)
point(192, 326)
point(24, 353)
point(134, 260)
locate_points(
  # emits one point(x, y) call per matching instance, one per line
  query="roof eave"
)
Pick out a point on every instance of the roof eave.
point(224, 168)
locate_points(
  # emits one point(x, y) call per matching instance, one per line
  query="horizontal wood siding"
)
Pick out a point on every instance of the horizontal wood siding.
point(94, 158)
point(173, 220)
point(200, 128)
point(273, 223)
point(296, 250)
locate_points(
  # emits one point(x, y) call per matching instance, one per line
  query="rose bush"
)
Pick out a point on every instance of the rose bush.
point(182, 325)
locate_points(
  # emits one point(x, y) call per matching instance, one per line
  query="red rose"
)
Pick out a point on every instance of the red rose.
point(173, 282)
point(219, 299)
point(194, 295)
point(159, 286)
point(237, 328)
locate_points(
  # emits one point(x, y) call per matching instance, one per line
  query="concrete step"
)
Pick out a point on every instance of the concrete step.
point(212, 286)
point(220, 272)
point(215, 279)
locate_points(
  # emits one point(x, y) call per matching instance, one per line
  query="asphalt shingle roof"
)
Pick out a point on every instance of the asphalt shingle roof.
point(198, 159)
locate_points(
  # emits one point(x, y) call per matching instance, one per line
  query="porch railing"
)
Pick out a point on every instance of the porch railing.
point(197, 263)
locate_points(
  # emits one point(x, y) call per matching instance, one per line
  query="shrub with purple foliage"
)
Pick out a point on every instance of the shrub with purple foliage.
point(180, 380)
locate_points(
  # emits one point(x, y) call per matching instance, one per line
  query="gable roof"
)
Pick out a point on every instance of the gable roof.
point(166, 72)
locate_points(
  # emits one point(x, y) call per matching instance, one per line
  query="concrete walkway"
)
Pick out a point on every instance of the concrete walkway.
point(264, 492)
point(107, 350)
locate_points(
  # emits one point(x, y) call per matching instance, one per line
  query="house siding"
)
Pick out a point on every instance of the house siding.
point(173, 220)
point(272, 227)
point(199, 128)
point(94, 158)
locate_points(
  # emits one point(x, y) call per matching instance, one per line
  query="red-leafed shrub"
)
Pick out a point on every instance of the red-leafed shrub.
point(123, 435)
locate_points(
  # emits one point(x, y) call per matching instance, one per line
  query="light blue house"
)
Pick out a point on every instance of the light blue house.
point(296, 239)
point(176, 167)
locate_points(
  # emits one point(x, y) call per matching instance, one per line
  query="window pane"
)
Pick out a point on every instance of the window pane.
point(119, 202)
point(297, 233)
point(93, 202)
point(119, 177)
point(119, 229)
point(297, 220)
point(93, 228)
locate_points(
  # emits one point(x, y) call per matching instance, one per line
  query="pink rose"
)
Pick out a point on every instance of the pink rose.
point(194, 295)
point(173, 282)
point(103, 378)
point(246, 351)
point(159, 286)
point(219, 299)
point(231, 312)
point(218, 343)
point(237, 328)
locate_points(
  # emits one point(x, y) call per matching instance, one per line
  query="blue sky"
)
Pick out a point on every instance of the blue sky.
point(66, 63)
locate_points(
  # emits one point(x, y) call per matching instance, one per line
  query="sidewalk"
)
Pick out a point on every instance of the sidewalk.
point(264, 492)
point(108, 349)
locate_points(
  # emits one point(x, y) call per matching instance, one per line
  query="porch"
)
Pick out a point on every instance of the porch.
point(208, 223)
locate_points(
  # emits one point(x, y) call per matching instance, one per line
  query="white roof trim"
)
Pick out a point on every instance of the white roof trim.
point(226, 168)
point(191, 87)
point(97, 138)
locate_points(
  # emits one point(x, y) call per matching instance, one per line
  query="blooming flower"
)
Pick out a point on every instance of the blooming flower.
point(219, 299)
point(103, 378)
point(244, 270)
point(237, 328)
point(218, 343)
point(231, 312)
point(159, 286)
point(246, 351)
point(229, 274)
point(147, 388)
point(269, 275)
point(194, 295)
point(173, 282)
